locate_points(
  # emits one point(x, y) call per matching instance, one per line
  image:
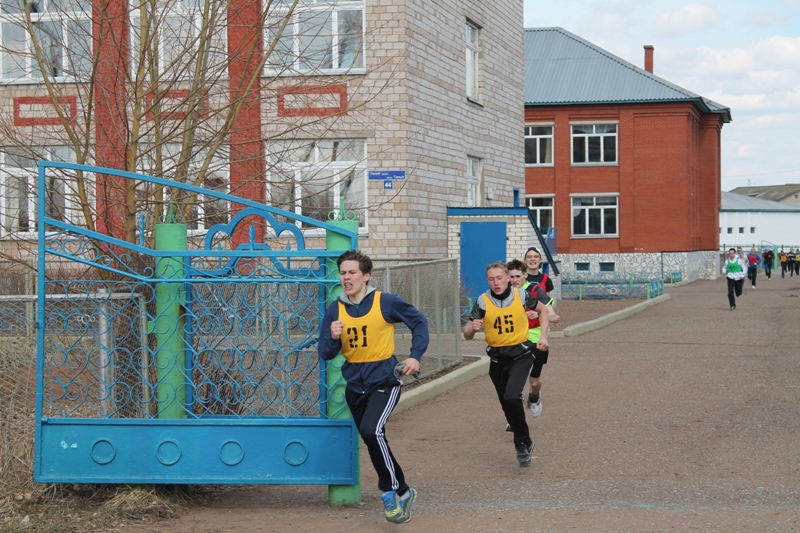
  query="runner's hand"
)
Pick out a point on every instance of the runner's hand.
point(337, 327)
point(543, 345)
point(412, 366)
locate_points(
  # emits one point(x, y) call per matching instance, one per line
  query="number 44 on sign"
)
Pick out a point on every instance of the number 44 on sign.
point(388, 177)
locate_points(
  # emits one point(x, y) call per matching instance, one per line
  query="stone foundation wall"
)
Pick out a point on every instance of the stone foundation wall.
point(691, 265)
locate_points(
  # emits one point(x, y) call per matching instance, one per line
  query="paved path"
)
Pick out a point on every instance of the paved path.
point(684, 417)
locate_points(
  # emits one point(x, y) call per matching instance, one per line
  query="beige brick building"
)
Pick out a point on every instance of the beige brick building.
point(429, 88)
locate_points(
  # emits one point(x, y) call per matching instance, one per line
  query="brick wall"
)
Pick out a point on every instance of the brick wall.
point(411, 107)
point(444, 128)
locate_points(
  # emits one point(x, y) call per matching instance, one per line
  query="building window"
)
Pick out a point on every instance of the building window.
point(206, 211)
point(542, 211)
point(309, 177)
point(730, 231)
point(473, 65)
point(607, 267)
point(741, 230)
point(752, 230)
point(19, 189)
point(63, 31)
point(594, 216)
point(539, 145)
point(594, 143)
point(179, 26)
point(581, 267)
point(322, 37)
point(474, 173)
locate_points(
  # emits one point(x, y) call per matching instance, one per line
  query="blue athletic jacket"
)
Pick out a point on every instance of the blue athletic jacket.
point(365, 377)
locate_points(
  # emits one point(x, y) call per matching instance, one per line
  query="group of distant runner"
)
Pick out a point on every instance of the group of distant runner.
point(737, 266)
point(514, 314)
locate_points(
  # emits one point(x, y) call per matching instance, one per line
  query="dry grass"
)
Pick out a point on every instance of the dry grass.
point(77, 508)
point(163, 501)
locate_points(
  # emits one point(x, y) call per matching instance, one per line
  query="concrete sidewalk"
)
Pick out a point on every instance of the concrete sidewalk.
point(682, 417)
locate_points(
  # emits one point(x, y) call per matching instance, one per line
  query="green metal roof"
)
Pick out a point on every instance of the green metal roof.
point(563, 69)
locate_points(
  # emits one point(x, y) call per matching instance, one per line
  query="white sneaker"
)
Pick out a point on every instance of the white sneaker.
point(536, 408)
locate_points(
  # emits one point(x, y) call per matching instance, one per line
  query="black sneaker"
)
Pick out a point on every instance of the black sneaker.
point(524, 453)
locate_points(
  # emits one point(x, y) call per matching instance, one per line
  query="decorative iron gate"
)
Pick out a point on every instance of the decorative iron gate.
point(187, 364)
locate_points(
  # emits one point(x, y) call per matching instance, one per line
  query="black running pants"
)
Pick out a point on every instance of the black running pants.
point(734, 286)
point(370, 414)
point(509, 377)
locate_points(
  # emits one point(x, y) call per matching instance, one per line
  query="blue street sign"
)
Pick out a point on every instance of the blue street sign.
point(387, 184)
point(387, 175)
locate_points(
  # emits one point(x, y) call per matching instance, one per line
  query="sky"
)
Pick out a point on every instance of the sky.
point(743, 54)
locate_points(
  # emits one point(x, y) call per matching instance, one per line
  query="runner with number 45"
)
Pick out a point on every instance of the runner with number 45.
point(501, 313)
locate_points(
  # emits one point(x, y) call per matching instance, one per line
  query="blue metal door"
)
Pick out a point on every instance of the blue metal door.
point(482, 243)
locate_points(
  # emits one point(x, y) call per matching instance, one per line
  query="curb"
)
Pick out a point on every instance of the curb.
point(481, 366)
point(443, 384)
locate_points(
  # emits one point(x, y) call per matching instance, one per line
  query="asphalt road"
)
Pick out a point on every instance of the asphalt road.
point(683, 417)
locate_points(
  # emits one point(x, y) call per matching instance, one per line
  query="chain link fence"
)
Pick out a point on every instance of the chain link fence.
point(17, 374)
point(432, 287)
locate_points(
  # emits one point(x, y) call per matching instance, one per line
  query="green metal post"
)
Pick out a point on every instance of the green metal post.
point(169, 322)
point(340, 495)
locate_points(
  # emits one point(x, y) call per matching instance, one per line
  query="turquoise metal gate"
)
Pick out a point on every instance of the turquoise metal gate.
point(186, 364)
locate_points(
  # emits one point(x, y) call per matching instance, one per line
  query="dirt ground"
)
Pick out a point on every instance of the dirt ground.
point(683, 417)
point(573, 312)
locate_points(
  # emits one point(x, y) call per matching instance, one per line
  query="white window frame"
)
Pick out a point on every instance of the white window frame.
point(316, 169)
point(20, 66)
point(472, 36)
point(534, 139)
point(218, 170)
point(294, 33)
point(600, 209)
point(474, 179)
point(537, 210)
point(187, 15)
point(28, 176)
point(602, 136)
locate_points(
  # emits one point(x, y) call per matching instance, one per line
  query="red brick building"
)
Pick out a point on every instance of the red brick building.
point(624, 164)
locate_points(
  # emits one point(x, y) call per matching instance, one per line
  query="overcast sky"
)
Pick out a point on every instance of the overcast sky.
point(743, 54)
